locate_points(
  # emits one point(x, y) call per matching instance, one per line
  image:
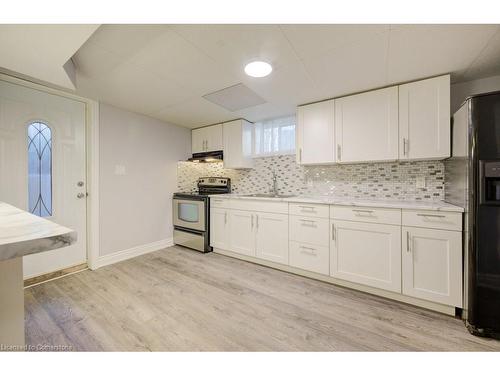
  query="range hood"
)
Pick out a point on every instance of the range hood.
point(207, 157)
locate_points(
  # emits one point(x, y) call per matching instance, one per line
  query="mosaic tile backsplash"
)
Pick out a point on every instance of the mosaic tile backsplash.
point(396, 180)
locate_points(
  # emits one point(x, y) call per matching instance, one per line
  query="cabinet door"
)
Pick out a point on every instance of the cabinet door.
point(424, 119)
point(241, 232)
point(214, 138)
point(432, 265)
point(272, 237)
point(237, 137)
point(366, 126)
point(219, 228)
point(198, 140)
point(315, 133)
point(366, 253)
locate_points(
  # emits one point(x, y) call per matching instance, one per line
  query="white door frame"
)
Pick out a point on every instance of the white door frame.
point(92, 160)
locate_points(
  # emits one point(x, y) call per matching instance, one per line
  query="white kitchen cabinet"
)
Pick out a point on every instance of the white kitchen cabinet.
point(315, 133)
point(432, 265)
point(238, 137)
point(242, 232)
point(207, 139)
point(366, 253)
point(272, 237)
point(219, 228)
point(424, 119)
point(366, 126)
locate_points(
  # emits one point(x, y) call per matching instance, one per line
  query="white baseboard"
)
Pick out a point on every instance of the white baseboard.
point(131, 253)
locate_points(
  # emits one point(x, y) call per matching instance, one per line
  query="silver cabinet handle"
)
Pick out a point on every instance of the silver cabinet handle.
point(218, 200)
point(257, 222)
point(408, 249)
point(308, 221)
point(339, 154)
point(431, 215)
point(80, 195)
point(406, 143)
point(252, 221)
point(333, 232)
point(310, 208)
point(225, 217)
point(311, 251)
point(300, 155)
point(365, 211)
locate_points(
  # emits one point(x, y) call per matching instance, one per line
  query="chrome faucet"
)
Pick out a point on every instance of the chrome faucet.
point(275, 184)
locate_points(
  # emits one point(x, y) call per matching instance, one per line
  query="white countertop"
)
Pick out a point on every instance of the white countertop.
point(383, 203)
point(22, 233)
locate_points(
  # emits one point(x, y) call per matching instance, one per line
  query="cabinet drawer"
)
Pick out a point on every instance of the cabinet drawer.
point(366, 214)
point(220, 203)
point(260, 205)
point(310, 257)
point(433, 219)
point(309, 230)
point(311, 210)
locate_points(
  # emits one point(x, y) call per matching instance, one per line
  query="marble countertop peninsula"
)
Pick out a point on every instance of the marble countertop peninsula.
point(382, 203)
point(22, 233)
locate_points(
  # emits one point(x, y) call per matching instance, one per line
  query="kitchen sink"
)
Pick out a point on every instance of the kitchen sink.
point(269, 195)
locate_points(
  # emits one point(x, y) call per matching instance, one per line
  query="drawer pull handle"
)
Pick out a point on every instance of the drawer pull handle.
point(218, 200)
point(308, 250)
point(431, 215)
point(363, 211)
point(308, 221)
point(308, 208)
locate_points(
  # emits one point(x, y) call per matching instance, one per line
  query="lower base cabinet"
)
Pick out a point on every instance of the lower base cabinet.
point(272, 237)
point(418, 259)
point(366, 253)
point(219, 225)
point(309, 257)
point(432, 265)
point(242, 232)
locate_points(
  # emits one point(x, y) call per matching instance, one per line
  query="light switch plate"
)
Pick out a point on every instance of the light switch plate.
point(120, 170)
point(420, 182)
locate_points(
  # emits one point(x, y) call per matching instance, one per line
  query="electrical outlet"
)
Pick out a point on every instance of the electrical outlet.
point(420, 182)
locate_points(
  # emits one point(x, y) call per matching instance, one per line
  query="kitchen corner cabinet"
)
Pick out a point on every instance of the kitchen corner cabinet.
point(315, 133)
point(219, 228)
point(432, 265)
point(366, 126)
point(272, 237)
point(237, 144)
point(424, 119)
point(366, 253)
point(207, 139)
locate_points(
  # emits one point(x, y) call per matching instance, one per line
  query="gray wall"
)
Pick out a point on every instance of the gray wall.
point(138, 163)
point(460, 91)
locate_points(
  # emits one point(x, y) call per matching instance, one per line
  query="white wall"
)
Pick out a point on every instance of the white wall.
point(136, 207)
point(460, 91)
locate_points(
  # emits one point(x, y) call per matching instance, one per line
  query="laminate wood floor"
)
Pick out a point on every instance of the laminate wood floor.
point(181, 300)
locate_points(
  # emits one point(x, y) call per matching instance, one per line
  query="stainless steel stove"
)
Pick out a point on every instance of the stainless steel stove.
point(191, 213)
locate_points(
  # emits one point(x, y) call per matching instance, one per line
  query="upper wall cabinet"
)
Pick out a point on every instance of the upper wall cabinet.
point(366, 126)
point(207, 139)
point(315, 133)
point(424, 119)
point(237, 144)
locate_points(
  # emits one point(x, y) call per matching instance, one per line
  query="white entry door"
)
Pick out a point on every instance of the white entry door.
point(42, 166)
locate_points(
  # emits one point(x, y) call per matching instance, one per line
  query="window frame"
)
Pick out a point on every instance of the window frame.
point(293, 151)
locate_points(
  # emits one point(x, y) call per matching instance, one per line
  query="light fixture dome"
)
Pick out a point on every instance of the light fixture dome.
point(258, 69)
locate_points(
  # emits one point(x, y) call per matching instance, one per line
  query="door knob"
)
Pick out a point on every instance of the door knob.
point(80, 195)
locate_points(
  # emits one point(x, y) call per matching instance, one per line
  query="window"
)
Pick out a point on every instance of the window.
point(275, 137)
point(39, 169)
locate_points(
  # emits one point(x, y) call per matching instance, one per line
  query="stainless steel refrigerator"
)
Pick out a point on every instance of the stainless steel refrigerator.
point(472, 180)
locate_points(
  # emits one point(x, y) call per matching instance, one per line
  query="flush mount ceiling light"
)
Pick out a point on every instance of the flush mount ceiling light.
point(258, 69)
